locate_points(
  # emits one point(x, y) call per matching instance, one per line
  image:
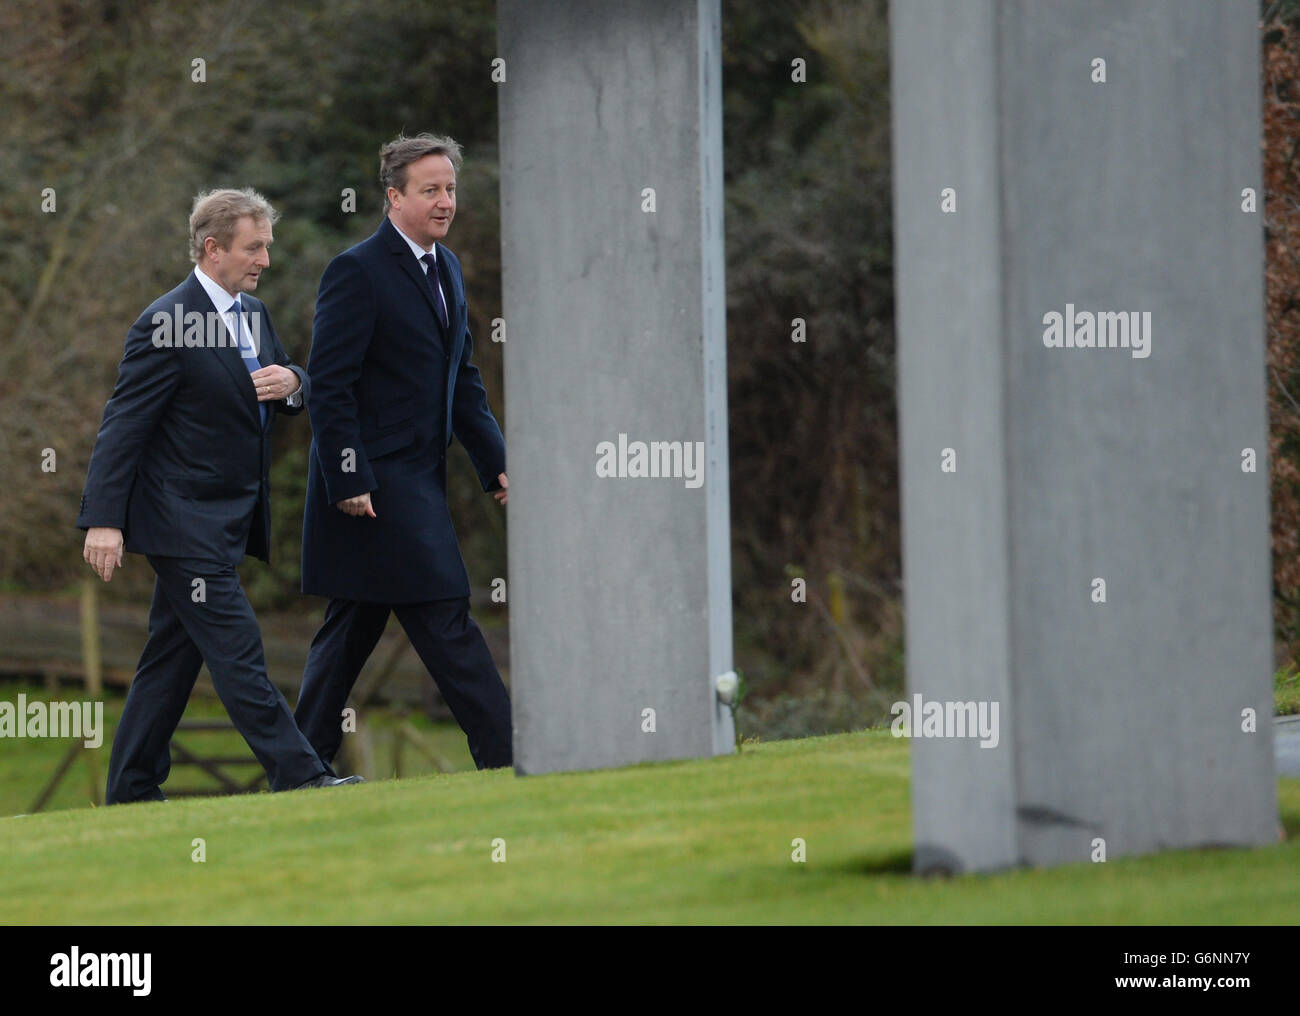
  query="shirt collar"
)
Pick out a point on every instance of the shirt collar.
point(416, 249)
point(219, 297)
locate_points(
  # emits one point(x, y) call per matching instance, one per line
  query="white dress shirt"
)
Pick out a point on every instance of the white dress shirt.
point(419, 252)
point(224, 302)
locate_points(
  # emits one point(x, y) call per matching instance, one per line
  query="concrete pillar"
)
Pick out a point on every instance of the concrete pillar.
point(612, 268)
point(1121, 722)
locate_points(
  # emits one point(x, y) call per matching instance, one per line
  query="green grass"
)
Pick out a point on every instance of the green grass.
point(703, 841)
point(1286, 690)
point(27, 764)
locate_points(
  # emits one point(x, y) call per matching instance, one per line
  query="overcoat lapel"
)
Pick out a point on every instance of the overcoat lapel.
point(411, 267)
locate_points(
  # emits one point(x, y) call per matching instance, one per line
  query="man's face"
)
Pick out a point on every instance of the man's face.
point(423, 210)
point(237, 269)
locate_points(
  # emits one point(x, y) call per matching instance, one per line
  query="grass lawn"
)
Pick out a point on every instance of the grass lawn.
point(1286, 690)
point(26, 764)
point(703, 841)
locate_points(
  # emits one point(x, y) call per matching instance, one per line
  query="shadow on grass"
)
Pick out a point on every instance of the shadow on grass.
point(897, 862)
point(1291, 823)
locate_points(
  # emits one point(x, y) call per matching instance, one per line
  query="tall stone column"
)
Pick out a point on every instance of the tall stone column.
point(615, 380)
point(1084, 430)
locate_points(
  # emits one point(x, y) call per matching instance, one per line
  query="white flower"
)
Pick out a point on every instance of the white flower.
point(726, 685)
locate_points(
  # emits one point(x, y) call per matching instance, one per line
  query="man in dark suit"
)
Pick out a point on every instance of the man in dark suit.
point(180, 473)
point(392, 383)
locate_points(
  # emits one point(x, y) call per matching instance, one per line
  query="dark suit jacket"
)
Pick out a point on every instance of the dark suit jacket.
point(182, 463)
point(389, 390)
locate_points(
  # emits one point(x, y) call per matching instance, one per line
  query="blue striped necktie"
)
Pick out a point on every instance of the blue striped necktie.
point(246, 349)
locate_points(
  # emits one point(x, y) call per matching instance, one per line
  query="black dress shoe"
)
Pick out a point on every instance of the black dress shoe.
point(326, 780)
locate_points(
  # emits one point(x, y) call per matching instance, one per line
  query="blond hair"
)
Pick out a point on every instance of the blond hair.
point(216, 214)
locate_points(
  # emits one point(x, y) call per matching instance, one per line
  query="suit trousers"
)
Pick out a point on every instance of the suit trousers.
point(449, 644)
point(221, 630)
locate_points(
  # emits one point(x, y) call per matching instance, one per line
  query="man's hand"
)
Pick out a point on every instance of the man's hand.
point(359, 505)
point(274, 383)
point(500, 495)
point(103, 550)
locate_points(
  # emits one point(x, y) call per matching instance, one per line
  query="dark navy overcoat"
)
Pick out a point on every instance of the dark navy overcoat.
point(390, 388)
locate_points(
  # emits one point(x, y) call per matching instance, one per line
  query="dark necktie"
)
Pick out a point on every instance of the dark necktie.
point(432, 276)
